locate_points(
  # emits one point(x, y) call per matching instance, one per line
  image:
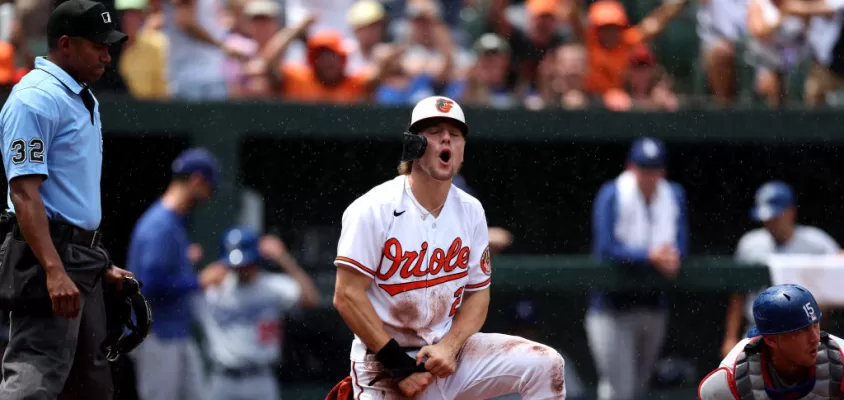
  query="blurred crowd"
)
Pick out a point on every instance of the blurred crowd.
point(537, 54)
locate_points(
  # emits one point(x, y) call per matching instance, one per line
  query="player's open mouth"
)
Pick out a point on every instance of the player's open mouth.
point(445, 155)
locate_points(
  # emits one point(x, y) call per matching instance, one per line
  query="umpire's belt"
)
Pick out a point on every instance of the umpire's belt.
point(244, 371)
point(65, 233)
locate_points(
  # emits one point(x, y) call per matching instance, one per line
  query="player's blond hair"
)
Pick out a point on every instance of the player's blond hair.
point(405, 167)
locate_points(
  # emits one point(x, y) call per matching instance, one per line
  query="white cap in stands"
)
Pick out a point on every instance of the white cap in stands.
point(438, 107)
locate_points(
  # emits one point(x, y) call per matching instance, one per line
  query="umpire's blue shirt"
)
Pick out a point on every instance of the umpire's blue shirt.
point(158, 257)
point(47, 130)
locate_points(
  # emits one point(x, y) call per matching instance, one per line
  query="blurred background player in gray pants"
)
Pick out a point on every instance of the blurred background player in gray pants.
point(776, 210)
point(639, 223)
point(168, 365)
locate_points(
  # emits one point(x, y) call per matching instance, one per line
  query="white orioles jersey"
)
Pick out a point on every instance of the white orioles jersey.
point(420, 265)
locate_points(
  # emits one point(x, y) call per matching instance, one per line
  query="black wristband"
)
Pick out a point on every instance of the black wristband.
point(392, 357)
point(395, 361)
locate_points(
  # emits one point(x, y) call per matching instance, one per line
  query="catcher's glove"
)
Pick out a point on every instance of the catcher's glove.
point(119, 307)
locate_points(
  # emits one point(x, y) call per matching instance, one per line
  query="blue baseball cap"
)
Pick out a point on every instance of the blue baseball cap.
point(648, 153)
point(239, 247)
point(198, 160)
point(772, 199)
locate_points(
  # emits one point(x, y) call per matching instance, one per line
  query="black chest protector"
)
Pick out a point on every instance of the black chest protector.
point(829, 371)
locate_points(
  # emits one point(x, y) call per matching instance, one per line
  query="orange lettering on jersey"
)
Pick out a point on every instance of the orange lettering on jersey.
point(437, 260)
point(417, 269)
point(410, 264)
point(392, 246)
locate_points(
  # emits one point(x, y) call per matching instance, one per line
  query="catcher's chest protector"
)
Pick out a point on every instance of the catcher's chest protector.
point(829, 370)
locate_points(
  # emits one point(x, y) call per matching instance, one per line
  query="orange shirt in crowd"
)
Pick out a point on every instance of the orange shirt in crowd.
point(10, 73)
point(299, 83)
point(608, 67)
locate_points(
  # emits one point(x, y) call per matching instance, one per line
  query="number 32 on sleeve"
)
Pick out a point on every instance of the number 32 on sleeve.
point(34, 152)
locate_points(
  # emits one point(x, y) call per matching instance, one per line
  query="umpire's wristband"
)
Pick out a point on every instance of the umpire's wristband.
point(395, 360)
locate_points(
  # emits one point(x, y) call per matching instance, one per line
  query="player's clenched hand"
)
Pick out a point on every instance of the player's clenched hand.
point(440, 359)
point(195, 253)
point(666, 259)
point(415, 383)
point(115, 276)
point(212, 275)
point(271, 247)
point(63, 293)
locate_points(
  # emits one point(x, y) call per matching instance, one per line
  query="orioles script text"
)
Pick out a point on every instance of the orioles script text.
point(411, 264)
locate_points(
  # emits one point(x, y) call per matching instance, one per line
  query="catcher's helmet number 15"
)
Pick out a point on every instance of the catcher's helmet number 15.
point(428, 110)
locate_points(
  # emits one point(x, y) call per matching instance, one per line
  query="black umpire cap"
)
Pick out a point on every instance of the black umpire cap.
point(86, 19)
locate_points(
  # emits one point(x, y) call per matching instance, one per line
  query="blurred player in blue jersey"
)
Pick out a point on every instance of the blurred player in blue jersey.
point(168, 365)
point(639, 223)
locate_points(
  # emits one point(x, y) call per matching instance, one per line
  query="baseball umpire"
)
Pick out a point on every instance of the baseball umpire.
point(53, 266)
point(786, 356)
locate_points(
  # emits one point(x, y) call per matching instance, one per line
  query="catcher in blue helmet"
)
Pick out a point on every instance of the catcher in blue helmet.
point(242, 315)
point(786, 356)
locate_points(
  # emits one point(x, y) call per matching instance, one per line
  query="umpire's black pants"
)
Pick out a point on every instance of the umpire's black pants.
point(49, 357)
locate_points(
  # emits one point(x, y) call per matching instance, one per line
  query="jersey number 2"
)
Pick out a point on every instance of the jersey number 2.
point(458, 296)
point(19, 151)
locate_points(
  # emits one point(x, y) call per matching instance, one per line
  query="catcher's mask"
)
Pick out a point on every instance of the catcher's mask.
point(119, 307)
point(428, 111)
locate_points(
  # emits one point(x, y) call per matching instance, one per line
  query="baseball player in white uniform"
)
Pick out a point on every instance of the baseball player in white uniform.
point(413, 278)
point(776, 209)
point(786, 356)
point(241, 317)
